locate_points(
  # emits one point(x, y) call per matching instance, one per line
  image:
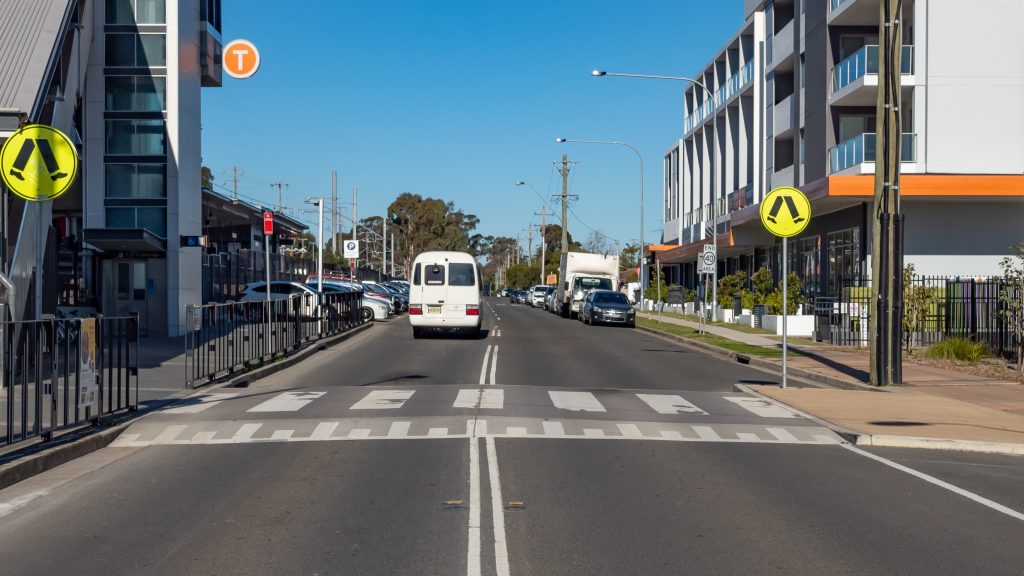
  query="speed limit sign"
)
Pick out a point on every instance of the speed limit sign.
point(708, 259)
point(351, 249)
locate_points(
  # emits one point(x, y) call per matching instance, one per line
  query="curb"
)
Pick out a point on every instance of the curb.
point(81, 442)
point(830, 381)
point(893, 441)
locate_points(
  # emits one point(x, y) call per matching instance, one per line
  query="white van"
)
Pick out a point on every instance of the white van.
point(445, 293)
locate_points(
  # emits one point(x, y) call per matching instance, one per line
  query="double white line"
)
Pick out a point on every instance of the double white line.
point(493, 360)
point(473, 556)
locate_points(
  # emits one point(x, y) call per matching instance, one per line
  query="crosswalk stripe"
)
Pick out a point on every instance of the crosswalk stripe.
point(437, 432)
point(576, 401)
point(282, 435)
point(323, 431)
point(593, 433)
point(169, 434)
point(706, 433)
point(399, 429)
point(762, 408)
point(286, 402)
point(245, 433)
point(670, 404)
point(630, 431)
point(480, 398)
point(782, 434)
point(383, 400)
point(203, 437)
point(200, 403)
point(553, 428)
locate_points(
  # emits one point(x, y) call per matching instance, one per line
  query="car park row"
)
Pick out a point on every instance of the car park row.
point(379, 301)
point(596, 307)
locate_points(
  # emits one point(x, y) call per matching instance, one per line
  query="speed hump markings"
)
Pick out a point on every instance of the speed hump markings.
point(38, 162)
point(785, 212)
point(241, 59)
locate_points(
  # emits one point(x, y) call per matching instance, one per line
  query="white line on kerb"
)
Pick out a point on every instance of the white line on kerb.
point(473, 552)
point(497, 511)
point(483, 369)
point(494, 364)
point(933, 480)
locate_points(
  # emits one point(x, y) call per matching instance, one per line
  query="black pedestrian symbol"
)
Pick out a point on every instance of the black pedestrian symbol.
point(45, 150)
point(793, 212)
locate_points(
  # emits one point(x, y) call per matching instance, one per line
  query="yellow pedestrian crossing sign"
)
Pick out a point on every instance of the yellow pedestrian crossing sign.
point(785, 212)
point(38, 162)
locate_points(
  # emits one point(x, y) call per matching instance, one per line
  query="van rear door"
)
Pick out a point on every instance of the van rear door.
point(461, 289)
point(434, 289)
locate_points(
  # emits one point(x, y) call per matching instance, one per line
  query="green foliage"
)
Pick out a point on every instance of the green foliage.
point(657, 291)
point(689, 295)
point(918, 301)
point(958, 349)
point(523, 275)
point(423, 224)
point(794, 297)
point(762, 282)
point(729, 286)
point(748, 300)
point(1011, 299)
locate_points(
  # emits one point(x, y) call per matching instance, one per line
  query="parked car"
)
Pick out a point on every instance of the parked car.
point(522, 297)
point(551, 300)
point(370, 308)
point(607, 306)
point(281, 290)
point(537, 294)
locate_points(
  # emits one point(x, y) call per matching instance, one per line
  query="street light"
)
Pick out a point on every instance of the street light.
point(643, 282)
point(714, 146)
point(319, 203)
point(543, 231)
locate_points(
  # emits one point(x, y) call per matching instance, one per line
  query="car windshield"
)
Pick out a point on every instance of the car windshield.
point(610, 298)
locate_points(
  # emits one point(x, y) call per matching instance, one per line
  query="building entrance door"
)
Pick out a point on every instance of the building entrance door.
point(124, 291)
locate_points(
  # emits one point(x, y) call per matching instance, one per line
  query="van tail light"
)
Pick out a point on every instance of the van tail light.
point(472, 310)
point(415, 310)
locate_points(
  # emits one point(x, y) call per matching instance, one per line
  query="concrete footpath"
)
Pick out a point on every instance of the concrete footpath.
point(934, 408)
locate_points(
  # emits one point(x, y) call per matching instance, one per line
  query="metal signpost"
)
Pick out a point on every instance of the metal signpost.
point(268, 231)
point(351, 251)
point(785, 224)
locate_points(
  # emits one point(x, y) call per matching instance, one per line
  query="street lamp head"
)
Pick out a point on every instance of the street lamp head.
point(520, 183)
point(598, 73)
point(560, 140)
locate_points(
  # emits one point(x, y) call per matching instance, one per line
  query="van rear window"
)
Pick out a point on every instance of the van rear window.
point(460, 274)
point(416, 276)
point(433, 274)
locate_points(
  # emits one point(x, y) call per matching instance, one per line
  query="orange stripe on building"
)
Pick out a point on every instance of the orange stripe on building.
point(933, 185)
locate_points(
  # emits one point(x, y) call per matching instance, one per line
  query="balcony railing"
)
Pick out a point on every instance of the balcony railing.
point(865, 61)
point(834, 5)
point(861, 149)
point(741, 198)
point(732, 86)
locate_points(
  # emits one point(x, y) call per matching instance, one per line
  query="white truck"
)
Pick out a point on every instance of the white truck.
point(581, 272)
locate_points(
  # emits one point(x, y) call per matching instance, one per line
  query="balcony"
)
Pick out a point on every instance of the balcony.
point(784, 122)
point(741, 198)
point(782, 48)
point(855, 79)
point(733, 86)
point(860, 150)
point(853, 13)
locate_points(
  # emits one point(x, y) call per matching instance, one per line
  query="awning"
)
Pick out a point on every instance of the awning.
point(126, 241)
point(28, 35)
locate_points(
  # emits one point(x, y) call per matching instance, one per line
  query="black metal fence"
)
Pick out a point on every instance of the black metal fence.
point(59, 373)
point(232, 337)
point(226, 274)
point(934, 307)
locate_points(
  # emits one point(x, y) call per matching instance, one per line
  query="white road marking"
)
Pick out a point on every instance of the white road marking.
point(399, 429)
point(516, 432)
point(15, 503)
point(491, 399)
point(437, 432)
point(383, 400)
point(762, 408)
point(576, 401)
point(553, 429)
point(783, 435)
point(497, 511)
point(359, 433)
point(593, 433)
point(204, 437)
point(473, 547)
point(630, 431)
point(707, 433)
point(323, 431)
point(670, 404)
point(467, 398)
point(282, 435)
point(483, 368)
point(200, 403)
point(748, 437)
point(246, 432)
point(494, 365)
point(169, 434)
point(671, 435)
point(933, 480)
point(286, 402)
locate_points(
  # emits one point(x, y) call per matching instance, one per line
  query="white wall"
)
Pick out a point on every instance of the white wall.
point(974, 75)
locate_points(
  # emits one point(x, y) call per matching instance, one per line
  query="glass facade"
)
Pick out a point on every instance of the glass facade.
point(136, 180)
point(843, 258)
point(136, 93)
point(127, 49)
point(136, 137)
point(152, 218)
point(136, 12)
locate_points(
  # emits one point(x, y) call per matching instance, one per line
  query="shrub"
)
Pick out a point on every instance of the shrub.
point(762, 283)
point(959, 349)
point(748, 300)
point(794, 298)
point(730, 285)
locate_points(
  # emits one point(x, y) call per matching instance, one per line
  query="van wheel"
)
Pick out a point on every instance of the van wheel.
point(417, 333)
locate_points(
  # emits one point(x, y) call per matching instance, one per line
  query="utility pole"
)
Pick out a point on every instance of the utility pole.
point(334, 213)
point(280, 196)
point(529, 244)
point(234, 177)
point(887, 229)
point(384, 247)
point(565, 207)
point(543, 242)
point(355, 220)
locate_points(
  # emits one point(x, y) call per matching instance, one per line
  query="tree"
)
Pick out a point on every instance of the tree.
point(1011, 299)
point(424, 224)
point(596, 243)
point(206, 178)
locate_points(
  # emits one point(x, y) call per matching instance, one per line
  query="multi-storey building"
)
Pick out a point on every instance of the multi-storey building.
point(123, 77)
point(792, 103)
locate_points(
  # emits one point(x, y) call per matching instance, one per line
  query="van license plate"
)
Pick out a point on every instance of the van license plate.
point(433, 309)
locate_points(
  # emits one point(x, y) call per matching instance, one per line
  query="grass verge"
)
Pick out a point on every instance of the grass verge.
point(719, 341)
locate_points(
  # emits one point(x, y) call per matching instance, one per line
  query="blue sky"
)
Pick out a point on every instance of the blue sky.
point(458, 100)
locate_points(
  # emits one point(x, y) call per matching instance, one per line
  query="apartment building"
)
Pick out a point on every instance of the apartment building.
point(123, 78)
point(790, 101)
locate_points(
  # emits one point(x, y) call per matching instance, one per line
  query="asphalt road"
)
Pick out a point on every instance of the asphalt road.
point(546, 447)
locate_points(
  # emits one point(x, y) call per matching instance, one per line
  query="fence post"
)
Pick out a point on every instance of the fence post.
point(133, 360)
point(100, 395)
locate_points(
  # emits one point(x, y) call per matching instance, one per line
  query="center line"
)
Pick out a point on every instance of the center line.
point(473, 548)
point(497, 510)
point(494, 365)
point(483, 369)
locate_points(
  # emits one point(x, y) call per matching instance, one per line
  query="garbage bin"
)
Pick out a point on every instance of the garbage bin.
point(758, 313)
point(737, 304)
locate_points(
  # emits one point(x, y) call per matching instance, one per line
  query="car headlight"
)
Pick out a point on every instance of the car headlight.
point(596, 309)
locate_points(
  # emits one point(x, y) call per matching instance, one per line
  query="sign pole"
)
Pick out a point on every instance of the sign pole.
point(785, 306)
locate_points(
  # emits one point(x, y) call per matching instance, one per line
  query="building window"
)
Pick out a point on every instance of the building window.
point(136, 137)
point(150, 218)
point(844, 267)
point(136, 12)
point(136, 180)
point(136, 50)
point(136, 93)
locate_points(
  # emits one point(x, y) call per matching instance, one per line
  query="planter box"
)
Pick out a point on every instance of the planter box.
point(746, 319)
point(795, 325)
point(688, 308)
point(725, 315)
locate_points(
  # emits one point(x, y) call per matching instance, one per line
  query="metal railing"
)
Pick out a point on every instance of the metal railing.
point(732, 85)
point(232, 337)
point(59, 373)
point(861, 149)
point(865, 61)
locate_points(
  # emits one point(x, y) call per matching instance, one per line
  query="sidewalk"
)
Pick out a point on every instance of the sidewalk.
point(935, 408)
